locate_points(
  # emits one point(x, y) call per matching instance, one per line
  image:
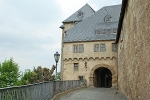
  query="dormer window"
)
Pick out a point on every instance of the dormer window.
point(109, 31)
point(75, 23)
point(104, 31)
point(114, 30)
point(80, 14)
point(97, 32)
point(107, 18)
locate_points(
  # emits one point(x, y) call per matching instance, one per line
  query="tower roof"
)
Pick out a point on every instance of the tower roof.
point(83, 13)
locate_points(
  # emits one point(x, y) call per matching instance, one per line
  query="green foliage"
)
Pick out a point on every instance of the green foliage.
point(9, 73)
point(26, 77)
point(58, 76)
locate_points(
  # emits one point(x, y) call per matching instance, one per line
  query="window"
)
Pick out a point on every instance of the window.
point(114, 30)
point(75, 48)
point(76, 65)
point(104, 31)
point(96, 47)
point(81, 48)
point(97, 31)
point(109, 30)
point(102, 48)
point(75, 23)
point(78, 48)
point(80, 14)
point(80, 78)
point(107, 18)
point(114, 47)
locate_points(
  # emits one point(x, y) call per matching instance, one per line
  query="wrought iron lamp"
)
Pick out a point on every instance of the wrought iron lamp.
point(56, 56)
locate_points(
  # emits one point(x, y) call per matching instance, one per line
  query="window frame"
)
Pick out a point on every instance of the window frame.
point(78, 48)
point(96, 47)
point(81, 48)
point(76, 66)
point(104, 31)
point(80, 78)
point(114, 47)
point(97, 32)
point(109, 31)
point(114, 30)
point(75, 48)
point(107, 18)
point(102, 47)
point(80, 14)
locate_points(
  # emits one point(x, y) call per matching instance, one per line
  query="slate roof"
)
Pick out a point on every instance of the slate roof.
point(85, 30)
point(87, 12)
point(62, 26)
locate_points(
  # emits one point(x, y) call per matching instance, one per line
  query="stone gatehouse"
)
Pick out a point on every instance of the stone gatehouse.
point(88, 46)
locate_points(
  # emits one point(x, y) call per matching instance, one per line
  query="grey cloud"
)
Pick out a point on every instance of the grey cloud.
point(23, 42)
point(36, 10)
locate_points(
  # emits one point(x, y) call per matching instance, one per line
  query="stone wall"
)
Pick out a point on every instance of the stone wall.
point(67, 26)
point(92, 64)
point(88, 50)
point(94, 60)
point(134, 51)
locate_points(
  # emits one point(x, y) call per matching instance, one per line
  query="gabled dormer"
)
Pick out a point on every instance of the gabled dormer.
point(107, 18)
point(80, 14)
point(98, 31)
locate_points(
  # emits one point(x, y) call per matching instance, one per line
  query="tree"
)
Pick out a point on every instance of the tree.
point(9, 73)
point(26, 78)
point(38, 74)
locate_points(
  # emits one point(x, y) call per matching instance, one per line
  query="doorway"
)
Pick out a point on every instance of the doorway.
point(102, 77)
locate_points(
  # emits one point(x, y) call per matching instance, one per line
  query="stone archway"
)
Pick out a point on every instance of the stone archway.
point(102, 77)
point(108, 68)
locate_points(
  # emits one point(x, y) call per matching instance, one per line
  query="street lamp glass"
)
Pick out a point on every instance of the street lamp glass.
point(56, 56)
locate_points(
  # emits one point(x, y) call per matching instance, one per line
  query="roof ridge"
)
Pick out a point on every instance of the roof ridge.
point(104, 8)
point(111, 5)
point(90, 7)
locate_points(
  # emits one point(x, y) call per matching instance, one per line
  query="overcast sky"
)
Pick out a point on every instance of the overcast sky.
point(29, 29)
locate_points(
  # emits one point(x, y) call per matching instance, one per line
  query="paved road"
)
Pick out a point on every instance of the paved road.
point(95, 94)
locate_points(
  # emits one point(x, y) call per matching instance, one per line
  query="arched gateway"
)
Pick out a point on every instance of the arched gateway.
point(102, 75)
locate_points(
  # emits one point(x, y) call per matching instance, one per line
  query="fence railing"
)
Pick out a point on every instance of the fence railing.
point(40, 91)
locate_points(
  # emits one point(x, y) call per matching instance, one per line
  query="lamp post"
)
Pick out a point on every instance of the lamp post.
point(56, 56)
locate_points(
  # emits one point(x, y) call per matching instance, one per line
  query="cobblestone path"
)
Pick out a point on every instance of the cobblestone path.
point(94, 94)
